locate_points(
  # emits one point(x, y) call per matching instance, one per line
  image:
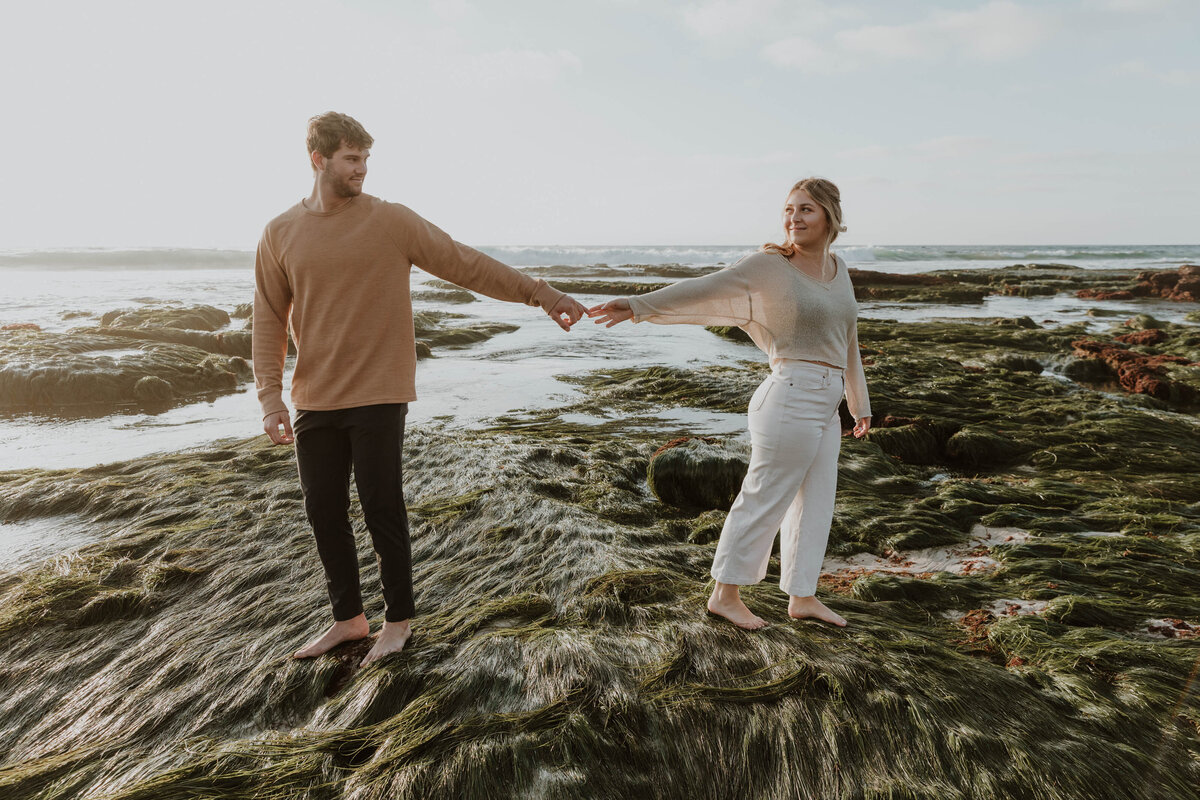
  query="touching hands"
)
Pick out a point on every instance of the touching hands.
point(861, 427)
point(612, 312)
point(566, 312)
point(273, 423)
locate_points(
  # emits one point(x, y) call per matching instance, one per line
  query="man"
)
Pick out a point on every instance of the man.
point(337, 264)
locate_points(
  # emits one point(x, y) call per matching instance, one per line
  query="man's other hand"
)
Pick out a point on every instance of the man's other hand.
point(566, 312)
point(279, 427)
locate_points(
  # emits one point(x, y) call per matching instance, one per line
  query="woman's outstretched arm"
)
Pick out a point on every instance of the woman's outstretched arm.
point(718, 298)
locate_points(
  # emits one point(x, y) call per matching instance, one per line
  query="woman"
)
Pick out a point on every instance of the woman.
point(796, 302)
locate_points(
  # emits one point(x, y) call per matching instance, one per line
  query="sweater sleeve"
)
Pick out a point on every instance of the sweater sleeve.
point(857, 399)
point(718, 298)
point(432, 249)
point(272, 306)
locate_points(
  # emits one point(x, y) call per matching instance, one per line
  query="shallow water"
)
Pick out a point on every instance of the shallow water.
point(26, 542)
point(466, 387)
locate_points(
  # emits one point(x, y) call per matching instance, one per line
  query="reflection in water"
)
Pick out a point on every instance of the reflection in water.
point(29, 541)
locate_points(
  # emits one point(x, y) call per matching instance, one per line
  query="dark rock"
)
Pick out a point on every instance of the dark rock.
point(1015, 362)
point(981, 447)
point(152, 389)
point(56, 371)
point(697, 473)
point(730, 332)
point(921, 442)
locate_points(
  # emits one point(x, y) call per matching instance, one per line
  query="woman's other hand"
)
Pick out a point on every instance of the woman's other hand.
point(612, 312)
point(861, 427)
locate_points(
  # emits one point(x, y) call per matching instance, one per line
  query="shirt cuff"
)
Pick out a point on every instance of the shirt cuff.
point(545, 295)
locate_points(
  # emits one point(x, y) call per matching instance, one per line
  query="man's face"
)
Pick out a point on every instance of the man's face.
point(344, 171)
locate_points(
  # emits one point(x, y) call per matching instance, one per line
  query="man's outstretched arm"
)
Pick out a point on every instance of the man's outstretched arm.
point(430, 248)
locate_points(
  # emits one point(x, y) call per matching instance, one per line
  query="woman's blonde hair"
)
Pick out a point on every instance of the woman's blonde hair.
point(827, 196)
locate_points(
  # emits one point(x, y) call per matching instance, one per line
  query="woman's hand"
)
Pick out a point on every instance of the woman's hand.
point(612, 312)
point(861, 427)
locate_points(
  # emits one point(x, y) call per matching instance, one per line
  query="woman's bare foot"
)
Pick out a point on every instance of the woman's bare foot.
point(727, 602)
point(391, 639)
point(812, 608)
point(345, 631)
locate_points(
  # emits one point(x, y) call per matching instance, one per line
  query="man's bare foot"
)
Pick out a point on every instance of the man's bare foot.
point(727, 602)
point(812, 608)
point(391, 639)
point(345, 631)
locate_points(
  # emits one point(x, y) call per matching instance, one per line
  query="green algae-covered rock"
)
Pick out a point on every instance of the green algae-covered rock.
point(45, 371)
point(940, 591)
point(706, 528)
point(730, 332)
point(1089, 612)
point(1016, 362)
point(229, 343)
point(919, 442)
point(194, 318)
point(982, 447)
point(698, 473)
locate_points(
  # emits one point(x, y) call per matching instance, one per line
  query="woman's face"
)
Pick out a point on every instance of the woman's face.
point(804, 220)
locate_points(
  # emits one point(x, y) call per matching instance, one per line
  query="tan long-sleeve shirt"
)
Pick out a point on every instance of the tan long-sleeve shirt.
point(342, 280)
point(788, 314)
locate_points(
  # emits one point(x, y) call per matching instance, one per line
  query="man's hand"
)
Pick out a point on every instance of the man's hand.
point(274, 422)
point(569, 308)
point(612, 312)
point(861, 427)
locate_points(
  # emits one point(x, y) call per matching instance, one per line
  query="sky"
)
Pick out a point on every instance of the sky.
point(153, 124)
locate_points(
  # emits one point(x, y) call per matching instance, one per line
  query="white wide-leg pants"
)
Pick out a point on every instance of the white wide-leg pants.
point(795, 437)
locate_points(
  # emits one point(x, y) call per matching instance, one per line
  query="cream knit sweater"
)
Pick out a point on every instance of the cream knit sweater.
point(789, 315)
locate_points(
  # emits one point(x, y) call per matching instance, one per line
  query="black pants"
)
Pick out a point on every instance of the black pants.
point(369, 439)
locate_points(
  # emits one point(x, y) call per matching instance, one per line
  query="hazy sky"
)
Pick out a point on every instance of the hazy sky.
point(608, 122)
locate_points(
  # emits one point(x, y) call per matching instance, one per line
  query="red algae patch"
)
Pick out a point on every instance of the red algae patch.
point(1171, 628)
point(1182, 285)
point(1137, 372)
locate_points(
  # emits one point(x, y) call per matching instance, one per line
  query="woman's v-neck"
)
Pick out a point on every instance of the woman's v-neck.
point(836, 269)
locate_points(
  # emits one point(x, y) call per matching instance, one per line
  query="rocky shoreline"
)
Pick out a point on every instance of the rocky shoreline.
point(1016, 547)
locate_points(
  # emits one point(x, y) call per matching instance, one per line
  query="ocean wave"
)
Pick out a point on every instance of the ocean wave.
point(586, 255)
point(146, 258)
point(1162, 253)
point(906, 257)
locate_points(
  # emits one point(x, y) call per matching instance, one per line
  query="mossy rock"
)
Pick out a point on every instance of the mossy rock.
point(1145, 322)
point(444, 296)
point(1016, 362)
point(193, 318)
point(1079, 611)
point(731, 332)
point(46, 371)
point(706, 528)
point(919, 442)
point(228, 343)
point(698, 473)
point(941, 591)
point(981, 447)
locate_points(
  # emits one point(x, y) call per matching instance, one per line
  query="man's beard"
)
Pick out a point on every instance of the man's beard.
point(342, 187)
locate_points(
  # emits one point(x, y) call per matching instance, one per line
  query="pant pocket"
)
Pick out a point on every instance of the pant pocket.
point(760, 395)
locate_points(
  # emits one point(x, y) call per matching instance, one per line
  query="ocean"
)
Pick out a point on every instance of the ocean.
point(59, 290)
